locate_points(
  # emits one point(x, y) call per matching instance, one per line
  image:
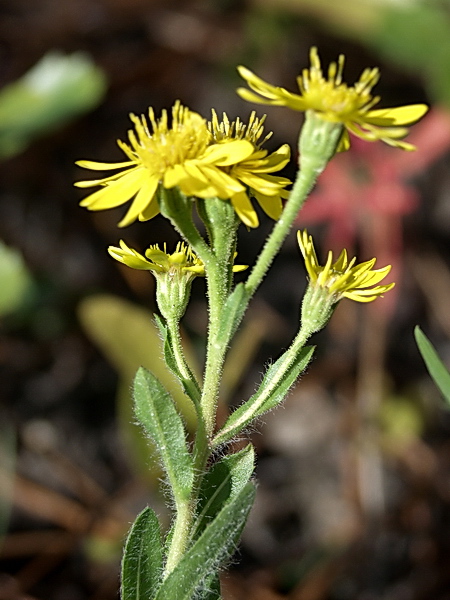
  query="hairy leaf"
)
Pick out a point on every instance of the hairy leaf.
point(217, 542)
point(142, 562)
point(266, 397)
point(156, 412)
point(222, 483)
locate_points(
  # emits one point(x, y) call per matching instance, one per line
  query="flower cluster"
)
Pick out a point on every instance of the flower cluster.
point(200, 162)
point(335, 101)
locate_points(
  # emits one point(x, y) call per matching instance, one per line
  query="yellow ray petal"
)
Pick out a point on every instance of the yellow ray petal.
point(228, 153)
point(244, 209)
point(401, 115)
point(101, 166)
point(271, 205)
point(150, 211)
point(116, 193)
point(143, 198)
point(105, 180)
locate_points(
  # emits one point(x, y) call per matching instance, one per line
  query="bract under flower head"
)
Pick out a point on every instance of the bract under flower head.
point(254, 171)
point(335, 101)
point(343, 279)
point(177, 155)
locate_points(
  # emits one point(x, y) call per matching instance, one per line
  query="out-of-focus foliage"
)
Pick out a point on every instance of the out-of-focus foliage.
point(401, 420)
point(55, 90)
point(413, 34)
point(438, 371)
point(129, 338)
point(15, 280)
point(417, 36)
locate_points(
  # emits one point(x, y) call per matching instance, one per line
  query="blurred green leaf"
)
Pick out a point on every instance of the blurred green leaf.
point(15, 279)
point(401, 419)
point(129, 338)
point(54, 91)
point(417, 37)
point(438, 371)
point(212, 588)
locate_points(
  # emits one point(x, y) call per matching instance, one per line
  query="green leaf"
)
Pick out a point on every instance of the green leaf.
point(15, 280)
point(233, 311)
point(142, 562)
point(217, 542)
point(266, 397)
point(438, 371)
point(156, 411)
point(127, 336)
point(190, 386)
point(222, 483)
point(211, 588)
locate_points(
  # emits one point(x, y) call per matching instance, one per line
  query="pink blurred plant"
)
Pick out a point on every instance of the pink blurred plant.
point(364, 193)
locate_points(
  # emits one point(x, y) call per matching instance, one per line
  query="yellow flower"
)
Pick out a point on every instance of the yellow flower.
point(334, 101)
point(254, 171)
point(180, 155)
point(343, 279)
point(183, 259)
point(159, 261)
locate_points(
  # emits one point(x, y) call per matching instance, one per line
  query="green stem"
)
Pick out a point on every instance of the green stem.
point(290, 356)
point(181, 362)
point(215, 352)
point(317, 145)
point(305, 180)
point(178, 209)
point(223, 223)
point(201, 448)
point(180, 537)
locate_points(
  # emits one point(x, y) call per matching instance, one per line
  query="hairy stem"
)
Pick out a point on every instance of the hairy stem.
point(180, 537)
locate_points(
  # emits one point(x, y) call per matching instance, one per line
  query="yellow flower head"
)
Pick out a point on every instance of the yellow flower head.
point(334, 101)
point(343, 279)
point(159, 261)
point(177, 155)
point(253, 171)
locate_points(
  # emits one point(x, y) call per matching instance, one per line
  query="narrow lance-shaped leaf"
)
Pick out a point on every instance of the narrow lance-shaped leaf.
point(222, 483)
point(142, 563)
point(190, 386)
point(211, 589)
point(271, 392)
point(156, 412)
point(438, 371)
point(206, 555)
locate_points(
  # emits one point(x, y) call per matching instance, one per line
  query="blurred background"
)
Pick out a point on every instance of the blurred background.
point(354, 471)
